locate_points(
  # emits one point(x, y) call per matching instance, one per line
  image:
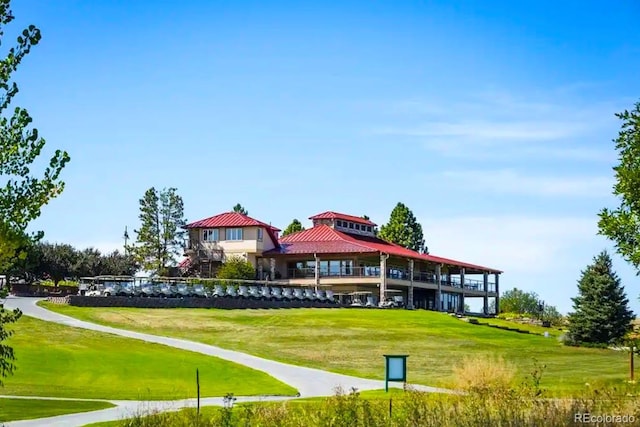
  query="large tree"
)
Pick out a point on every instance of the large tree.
point(161, 235)
point(240, 209)
point(601, 310)
point(58, 261)
point(520, 302)
point(294, 227)
point(622, 225)
point(23, 193)
point(403, 229)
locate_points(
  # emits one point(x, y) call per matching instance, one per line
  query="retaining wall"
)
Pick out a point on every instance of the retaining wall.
point(223, 303)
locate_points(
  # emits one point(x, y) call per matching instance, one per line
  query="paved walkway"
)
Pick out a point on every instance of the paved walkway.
point(308, 381)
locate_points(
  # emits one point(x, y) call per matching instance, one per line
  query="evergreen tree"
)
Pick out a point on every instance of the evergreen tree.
point(403, 229)
point(601, 312)
point(161, 234)
point(294, 227)
point(240, 209)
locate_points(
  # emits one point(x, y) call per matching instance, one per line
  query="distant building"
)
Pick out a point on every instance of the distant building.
point(341, 252)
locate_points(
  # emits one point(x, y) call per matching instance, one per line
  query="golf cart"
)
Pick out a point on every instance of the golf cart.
point(392, 301)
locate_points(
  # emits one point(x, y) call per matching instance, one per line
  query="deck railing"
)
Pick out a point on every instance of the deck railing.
point(392, 273)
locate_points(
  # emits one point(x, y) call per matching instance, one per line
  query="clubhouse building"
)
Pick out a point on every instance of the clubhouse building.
point(340, 252)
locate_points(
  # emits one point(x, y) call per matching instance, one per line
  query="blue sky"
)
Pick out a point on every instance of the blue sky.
point(491, 120)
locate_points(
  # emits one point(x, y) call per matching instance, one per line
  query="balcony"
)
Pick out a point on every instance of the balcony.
point(309, 273)
point(392, 273)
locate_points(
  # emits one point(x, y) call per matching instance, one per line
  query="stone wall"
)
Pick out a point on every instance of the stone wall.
point(223, 303)
point(23, 290)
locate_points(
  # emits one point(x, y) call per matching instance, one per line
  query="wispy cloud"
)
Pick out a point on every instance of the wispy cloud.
point(513, 182)
point(495, 123)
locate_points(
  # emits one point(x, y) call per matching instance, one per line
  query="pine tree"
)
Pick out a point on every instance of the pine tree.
point(403, 229)
point(294, 227)
point(160, 237)
point(240, 209)
point(601, 309)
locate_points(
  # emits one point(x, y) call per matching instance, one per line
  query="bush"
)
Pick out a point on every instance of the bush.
point(60, 283)
point(236, 268)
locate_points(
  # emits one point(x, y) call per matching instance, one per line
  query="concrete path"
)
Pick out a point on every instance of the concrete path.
point(308, 381)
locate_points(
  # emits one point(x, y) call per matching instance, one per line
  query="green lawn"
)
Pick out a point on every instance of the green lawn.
point(59, 361)
point(353, 341)
point(534, 329)
point(27, 409)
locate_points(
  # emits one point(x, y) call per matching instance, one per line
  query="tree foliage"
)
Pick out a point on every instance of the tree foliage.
point(403, 229)
point(22, 193)
point(519, 302)
point(161, 235)
point(240, 209)
point(601, 313)
point(294, 227)
point(58, 261)
point(236, 268)
point(622, 225)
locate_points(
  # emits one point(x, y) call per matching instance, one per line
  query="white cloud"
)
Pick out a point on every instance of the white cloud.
point(512, 182)
point(102, 246)
point(515, 244)
point(495, 124)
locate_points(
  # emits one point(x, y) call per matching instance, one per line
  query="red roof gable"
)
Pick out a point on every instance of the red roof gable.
point(344, 217)
point(324, 239)
point(230, 219)
point(235, 219)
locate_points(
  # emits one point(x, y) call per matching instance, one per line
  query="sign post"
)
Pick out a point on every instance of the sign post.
point(396, 369)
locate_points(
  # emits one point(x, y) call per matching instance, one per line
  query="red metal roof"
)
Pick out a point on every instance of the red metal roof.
point(324, 239)
point(235, 219)
point(345, 217)
point(230, 219)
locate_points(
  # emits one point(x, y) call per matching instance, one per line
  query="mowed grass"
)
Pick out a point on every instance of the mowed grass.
point(27, 409)
point(353, 341)
point(534, 329)
point(59, 361)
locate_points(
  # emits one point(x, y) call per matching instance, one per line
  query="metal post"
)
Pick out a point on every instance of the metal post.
point(198, 388)
point(631, 367)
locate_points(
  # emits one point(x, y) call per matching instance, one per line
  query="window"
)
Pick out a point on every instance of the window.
point(357, 226)
point(350, 225)
point(369, 228)
point(234, 233)
point(339, 223)
point(210, 235)
point(260, 231)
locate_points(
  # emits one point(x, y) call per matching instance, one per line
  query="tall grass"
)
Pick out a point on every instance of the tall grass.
point(484, 401)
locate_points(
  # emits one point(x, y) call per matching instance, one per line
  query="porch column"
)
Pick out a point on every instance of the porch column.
point(410, 296)
point(260, 268)
point(485, 305)
point(383, 276)
point(272, 268)
point(497, 277)
point(462, 278)
point(438, 303)
point(317, 271)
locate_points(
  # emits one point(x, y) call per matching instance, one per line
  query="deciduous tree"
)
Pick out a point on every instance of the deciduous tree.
point(622, 225)
point(58, 261)
point(23, 193)
point(601, 310)
point(161, 235)
point(518, 301)
point(403, 229)
point(294, 227)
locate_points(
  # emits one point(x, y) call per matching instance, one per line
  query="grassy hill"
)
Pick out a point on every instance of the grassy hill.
point(59, 361)
point(353, 341)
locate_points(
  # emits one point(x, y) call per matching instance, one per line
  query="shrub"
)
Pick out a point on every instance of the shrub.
point(483, 374)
